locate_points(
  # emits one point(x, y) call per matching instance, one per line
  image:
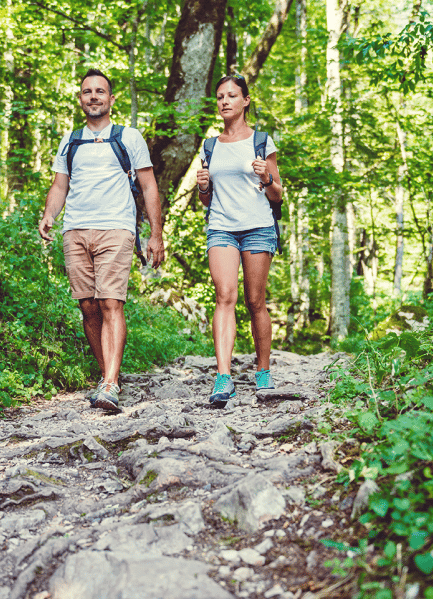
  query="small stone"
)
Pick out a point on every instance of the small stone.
point(230, 555)
point(224, 571)
point(280, 533)
point(275, 591)
point(412, 591)
point(264, 546)
point(295, 495)
point(242, 573)
point(312, 560)
point(42, 595)
point(252, 557)
point(367, 488)
point(327, 523)
point(269, 533)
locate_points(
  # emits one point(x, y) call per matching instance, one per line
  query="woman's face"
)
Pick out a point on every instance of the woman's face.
point(230, 100)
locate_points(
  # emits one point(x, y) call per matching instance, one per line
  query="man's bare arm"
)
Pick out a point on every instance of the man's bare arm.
point(53, 206)
point(155, 246)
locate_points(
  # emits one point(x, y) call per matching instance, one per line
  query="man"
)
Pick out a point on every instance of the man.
point(99, 228)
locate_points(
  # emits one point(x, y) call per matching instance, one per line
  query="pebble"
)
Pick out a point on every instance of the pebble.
point(275, 591)
point(252, 557)
point(264, 546)
point(230, 555)
point(243, 573)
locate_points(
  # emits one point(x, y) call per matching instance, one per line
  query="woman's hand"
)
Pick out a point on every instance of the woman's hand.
point(203, 178)
point(261, 169)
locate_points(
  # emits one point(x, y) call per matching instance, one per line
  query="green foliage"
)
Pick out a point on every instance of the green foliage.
point(390, 403)
point(402, 56)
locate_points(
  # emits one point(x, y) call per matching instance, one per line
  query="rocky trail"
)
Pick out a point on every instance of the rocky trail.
point(170, 499)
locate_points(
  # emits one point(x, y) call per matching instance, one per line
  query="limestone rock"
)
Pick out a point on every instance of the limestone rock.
point(253, 502)
point(367, 488)
point(96, 574)
point(290, 392)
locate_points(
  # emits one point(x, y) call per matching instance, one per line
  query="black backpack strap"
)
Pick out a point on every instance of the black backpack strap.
point(71, 148)
point(208, 148)
point(260, 142)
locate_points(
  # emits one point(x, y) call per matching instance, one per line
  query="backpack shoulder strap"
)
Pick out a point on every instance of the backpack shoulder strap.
point(119, 148)
point(208, 147)
point(71, 148)
point(260, 141)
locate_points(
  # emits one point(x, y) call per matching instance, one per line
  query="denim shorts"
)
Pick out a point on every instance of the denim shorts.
point(262, 239)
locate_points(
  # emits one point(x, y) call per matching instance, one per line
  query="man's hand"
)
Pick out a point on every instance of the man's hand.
point(55, 201)
point(155, 247)
point(45, 226)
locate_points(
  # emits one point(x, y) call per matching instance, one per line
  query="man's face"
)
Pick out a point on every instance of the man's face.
point(95, 98)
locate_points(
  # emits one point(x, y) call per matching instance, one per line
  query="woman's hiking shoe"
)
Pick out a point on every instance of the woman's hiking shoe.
point(264, 380)
point(222, 391)
point(94, 394)
point(108, 397)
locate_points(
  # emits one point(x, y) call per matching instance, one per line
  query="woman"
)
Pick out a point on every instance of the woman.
point(241, 230)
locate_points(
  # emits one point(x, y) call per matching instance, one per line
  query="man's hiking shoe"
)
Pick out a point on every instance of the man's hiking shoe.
point(222, 391)
point(108, 397)
point(94, 394)
point(264, 380)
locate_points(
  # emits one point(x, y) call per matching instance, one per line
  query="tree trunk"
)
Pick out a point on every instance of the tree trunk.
point(304, 251)
point(301, 71)
point(340, 270)
point(301, 104)
point(257, 59)
point(196, 44)
point(232, 44)
point(399, 217)
point(293, 311)
point(402, 174)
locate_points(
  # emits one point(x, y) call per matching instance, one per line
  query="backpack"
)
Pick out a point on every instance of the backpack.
point(260, 141)
point(119, 148)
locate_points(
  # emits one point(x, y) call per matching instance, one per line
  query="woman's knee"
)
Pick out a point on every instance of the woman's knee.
point(226, 297)
point(255, 304)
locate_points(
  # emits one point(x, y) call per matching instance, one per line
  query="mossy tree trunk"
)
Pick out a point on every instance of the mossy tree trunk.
point(196, 44)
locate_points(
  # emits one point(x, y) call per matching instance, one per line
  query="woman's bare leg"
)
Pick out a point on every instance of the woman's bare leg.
point(224, 268)
point(256, 270)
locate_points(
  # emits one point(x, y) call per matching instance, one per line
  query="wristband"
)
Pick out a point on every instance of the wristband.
point(271, 180)
point(201, 190)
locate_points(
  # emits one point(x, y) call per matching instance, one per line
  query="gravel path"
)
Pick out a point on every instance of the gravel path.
point(173, 500)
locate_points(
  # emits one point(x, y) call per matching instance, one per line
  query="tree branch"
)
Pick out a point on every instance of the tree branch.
point(261, 51)
point(81, 25)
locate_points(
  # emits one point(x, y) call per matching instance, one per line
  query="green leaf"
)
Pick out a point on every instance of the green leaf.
point(428, 401)
point(401, 504)
point(390, 549)
point(368, 421)
point(417, 539)
point(428, 593)
point(379, 506)
point(424, 562)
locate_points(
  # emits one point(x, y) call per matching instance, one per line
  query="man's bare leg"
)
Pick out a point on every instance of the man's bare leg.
point(92, 323)
point(113, 337)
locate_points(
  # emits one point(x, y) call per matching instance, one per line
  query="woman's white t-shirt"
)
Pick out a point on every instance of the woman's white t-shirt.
point(238, 204)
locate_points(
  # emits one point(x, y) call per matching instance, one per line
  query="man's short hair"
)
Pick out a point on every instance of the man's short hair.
point(98, 73)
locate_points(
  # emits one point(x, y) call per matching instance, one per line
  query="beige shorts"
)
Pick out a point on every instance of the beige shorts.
point(98, 262)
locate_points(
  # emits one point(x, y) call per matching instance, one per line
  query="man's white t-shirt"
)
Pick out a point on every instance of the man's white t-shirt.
point(238, 204)
point(99, 195)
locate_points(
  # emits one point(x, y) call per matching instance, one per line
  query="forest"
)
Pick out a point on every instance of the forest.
point(345, 89)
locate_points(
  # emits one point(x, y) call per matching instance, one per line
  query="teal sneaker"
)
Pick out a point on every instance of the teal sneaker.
point(222, 391)
point(94, 394)
point(108, 397)
point(264, 380)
